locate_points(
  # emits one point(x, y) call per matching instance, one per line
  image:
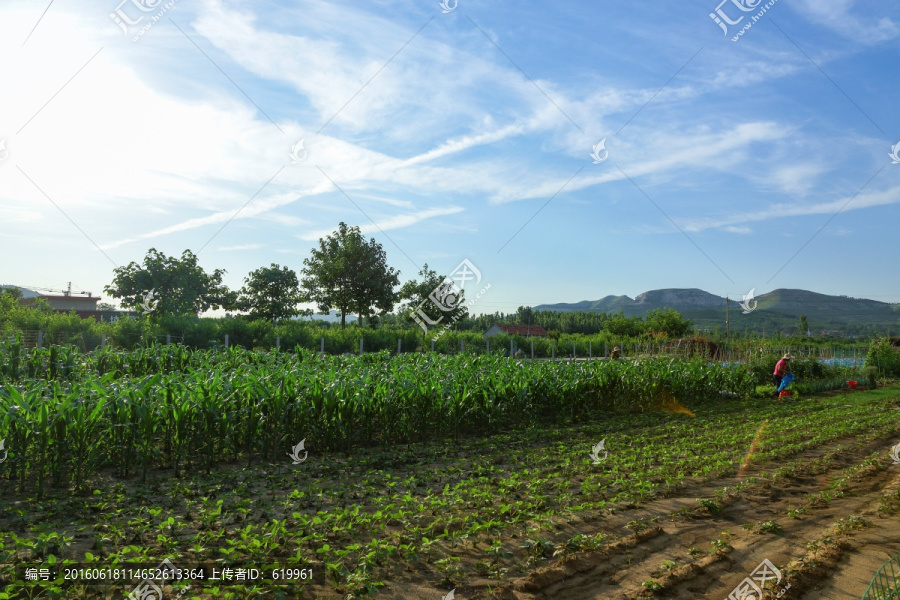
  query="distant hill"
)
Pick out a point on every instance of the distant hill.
point(776, 310)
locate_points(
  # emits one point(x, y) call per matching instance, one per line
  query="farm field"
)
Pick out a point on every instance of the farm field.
point(420, 475)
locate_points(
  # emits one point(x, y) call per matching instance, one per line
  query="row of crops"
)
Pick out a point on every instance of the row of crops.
point(65, 415)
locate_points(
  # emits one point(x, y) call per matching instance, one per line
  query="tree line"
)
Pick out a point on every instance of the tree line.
point(346, 273)
point(349, 274)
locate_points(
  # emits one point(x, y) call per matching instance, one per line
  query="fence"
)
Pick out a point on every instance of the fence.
point(886, 583)
point(531, 348)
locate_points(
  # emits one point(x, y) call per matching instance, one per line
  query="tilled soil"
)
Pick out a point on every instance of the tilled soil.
point(817, 559)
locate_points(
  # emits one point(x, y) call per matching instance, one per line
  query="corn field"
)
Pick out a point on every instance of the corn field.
point(66, 415)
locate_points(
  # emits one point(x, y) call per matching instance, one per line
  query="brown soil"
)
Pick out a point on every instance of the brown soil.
point(840, 568)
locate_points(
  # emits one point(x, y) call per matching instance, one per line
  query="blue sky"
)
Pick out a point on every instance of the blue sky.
point(758, 163)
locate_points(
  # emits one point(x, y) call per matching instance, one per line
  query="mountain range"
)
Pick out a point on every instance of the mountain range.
point(778, 310)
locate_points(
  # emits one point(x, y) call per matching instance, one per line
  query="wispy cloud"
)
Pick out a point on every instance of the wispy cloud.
point(151, 145)
point(862, 25)
point(240, 247)
point(862, 201)
point(255, 209)
point(670, 154)
point(798, 179)
point(389, 223)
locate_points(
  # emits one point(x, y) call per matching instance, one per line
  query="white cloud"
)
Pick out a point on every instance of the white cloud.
point(861, 26)
point(151, 141)
point(240, 247)
point(798, 179)
point(861, 201)
point(669, 154)
point(389, 223)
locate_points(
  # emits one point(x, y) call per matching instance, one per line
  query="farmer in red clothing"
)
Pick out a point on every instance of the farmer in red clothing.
point(781, 369)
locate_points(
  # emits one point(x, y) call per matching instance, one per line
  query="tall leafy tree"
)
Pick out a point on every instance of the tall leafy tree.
point(525, 315)
point(348, 273)
point(418, 297)
point(170, 285)
point(373, 280)
point(271, 293)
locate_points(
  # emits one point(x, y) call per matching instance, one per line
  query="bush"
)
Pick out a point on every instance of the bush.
point(884, 357)
point(871, 374)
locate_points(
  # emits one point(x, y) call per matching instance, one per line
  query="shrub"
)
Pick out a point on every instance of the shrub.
point(884, 357)
point(871, 374)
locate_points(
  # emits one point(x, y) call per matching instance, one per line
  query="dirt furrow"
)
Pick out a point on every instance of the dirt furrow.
point(619, 570)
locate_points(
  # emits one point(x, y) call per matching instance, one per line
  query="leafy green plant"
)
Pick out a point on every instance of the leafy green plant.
point(450, 568)
point(637, 525)
point(769, 527)
point(539, 548)
point(851, 523)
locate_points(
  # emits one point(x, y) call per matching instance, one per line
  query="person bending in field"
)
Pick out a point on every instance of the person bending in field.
point(615, 353)
point(781, 369)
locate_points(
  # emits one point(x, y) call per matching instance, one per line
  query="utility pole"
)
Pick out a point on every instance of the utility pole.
point(726, 319)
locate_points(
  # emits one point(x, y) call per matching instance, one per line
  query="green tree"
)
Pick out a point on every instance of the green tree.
point(348, 273)
point(525, 316)
point(170, 285)
point(804, 325)
point(373, 280)
point(271, 293)
point(623, 326)
point(420, 307)
point(667, 320)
